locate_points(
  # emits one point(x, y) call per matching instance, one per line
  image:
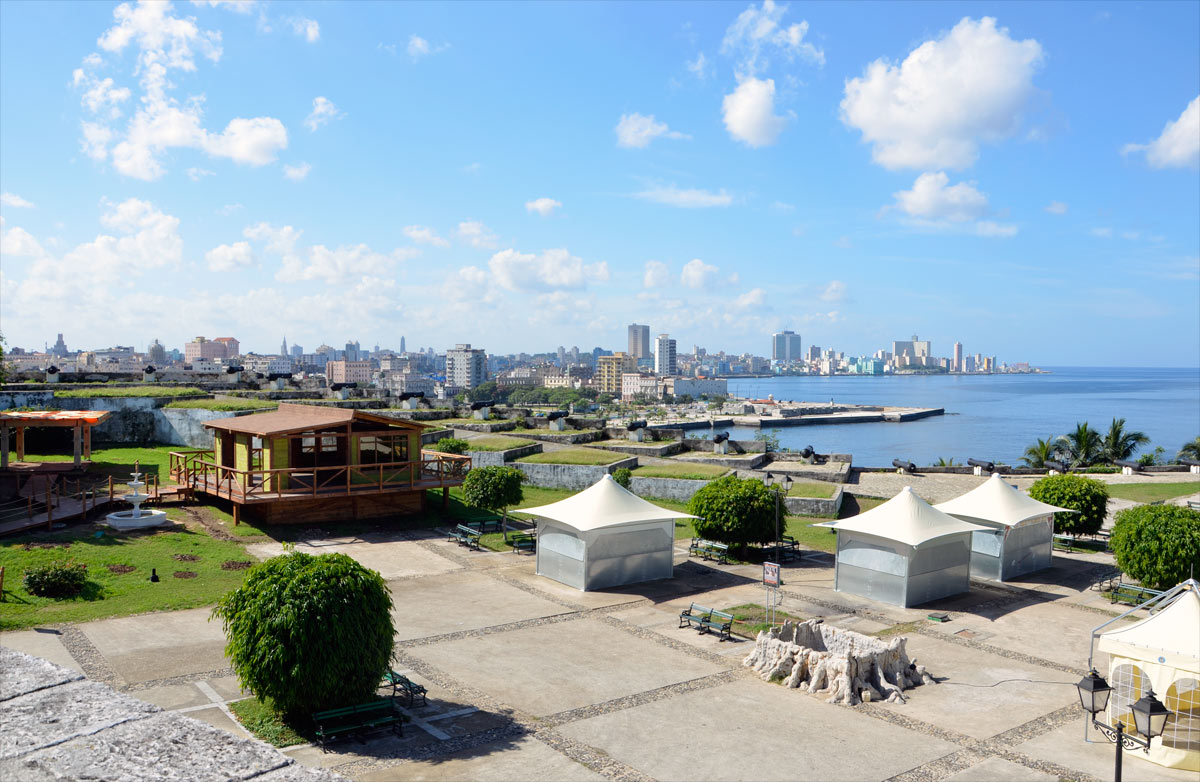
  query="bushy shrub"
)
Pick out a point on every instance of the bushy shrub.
point(60, 578)
point(623, 476)
point(1086, 495)
point(307, 633)
point(735, 511)
point(451, 445)
point(493, 488)
point(1102, 469)
point(1159, 545)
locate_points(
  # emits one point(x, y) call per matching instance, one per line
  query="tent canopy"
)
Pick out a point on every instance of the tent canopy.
point(604, 504)
point(906, 518)
point(996, 501)
point(1170, 636)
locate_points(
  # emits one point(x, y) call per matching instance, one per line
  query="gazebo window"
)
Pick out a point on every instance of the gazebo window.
point(1129, 684)
point(380, 449)
point(1183, 727)
point(308, 445)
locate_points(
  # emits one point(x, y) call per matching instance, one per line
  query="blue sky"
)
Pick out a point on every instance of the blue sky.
point(1018, 176)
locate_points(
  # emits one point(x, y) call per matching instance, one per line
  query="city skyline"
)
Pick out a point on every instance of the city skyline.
point(742, 169)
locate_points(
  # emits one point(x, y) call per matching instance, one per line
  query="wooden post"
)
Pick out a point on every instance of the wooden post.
point(49, 509)
point(87, 442)
point(1, 583)
point(20, 443)
point(445, 498)
point(3, 447)
point(237, 515)
point(77, 444)
point(110, 490)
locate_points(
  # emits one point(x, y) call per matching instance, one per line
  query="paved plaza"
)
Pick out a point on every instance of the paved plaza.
point(529, 679)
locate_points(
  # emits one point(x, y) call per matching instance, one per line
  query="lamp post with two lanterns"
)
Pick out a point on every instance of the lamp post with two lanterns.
point(1149, 716)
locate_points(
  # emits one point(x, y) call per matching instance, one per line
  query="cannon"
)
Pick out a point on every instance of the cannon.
point(51, 370)
point(482, 404)
point(231, 370)
point(1055, 467)
point(720, 438)
point(554, 415)
point(273, 376)
point(149, 370)
point(635, 425)
point(1128, 467)
point(412, 395)
point(982, 465)
point(807, 452)
point(1193, 465)
point(340, 386)
point(904, 466)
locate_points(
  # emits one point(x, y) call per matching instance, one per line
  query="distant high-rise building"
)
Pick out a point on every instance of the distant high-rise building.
point(785, 346)
point(283, 348)
point(466, 367)
point(916, 349)
point(814, 353)
point(352, 351)
point(201, 349)
point(664, 356)
point(639, 341)
point(60, 347)
point(609, 370)
point(957, 365)
point(156, 353)
point(402, 350)
point(297, 351)
point(562, 356)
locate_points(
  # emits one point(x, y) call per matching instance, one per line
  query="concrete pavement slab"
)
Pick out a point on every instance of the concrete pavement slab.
point(216, 717)
point(665, 621)
point(1065, 746)
point(228, 688)
point(551, 668)
point(156, 646)
point(526, 758)
point(461, 600)
point(44, 643)
point(381, 552)
point(174, 696)
point(765, 732)
point(57, 714)
point(999, 770)
point(526, 575)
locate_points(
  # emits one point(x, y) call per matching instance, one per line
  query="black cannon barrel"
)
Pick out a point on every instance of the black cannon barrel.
point(1126, 463)
point(1057, 466)
point(279, 376)
point(483, 403)
point(233, 370)
point(412, 395)
point(632, 425)
point(340, 386)
point(984, 463)
point(51, 370)
point(1190, 462)
point(807, 452)
point(720, 438)
point(149, 370)
point(554, 415)
point(903, 465)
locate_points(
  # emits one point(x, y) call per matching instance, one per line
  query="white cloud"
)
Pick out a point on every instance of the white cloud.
point(749, 113)
point(16, 241)
point(1102, 233)
point(1056, 208)
point(783, 206)
point(100, 96)
point(472, 168)
point(1131, 235)
point(835, 291)
point(684, 198)
point(237, 6)
point(994, 229)
point(697, 274)
point(307, 29)
point(636, 131)
point(418, 47)
point(949, 95)
point(229, 209)
point(323, 112)
point(422, 234)
point(698, 67)
point(477, 234)
point(280, 241)
point(657, 275)
point(254, 142)
point(297, 173)
point(543, 206)
point(195, 173)
point(147, 239)
point(931, 199)
point(757, 32)
point(751, 299)
point(553, 269)
point(12, 199)
point(1179, 144)
point(95, 140)
point(228, 257)
point(339, 264)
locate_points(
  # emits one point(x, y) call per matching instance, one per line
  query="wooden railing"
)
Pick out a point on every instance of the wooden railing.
point(53, 500)
point(199, 470)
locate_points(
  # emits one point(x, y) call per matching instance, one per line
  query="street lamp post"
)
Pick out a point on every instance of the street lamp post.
point(1149, 717)
point(781, 486)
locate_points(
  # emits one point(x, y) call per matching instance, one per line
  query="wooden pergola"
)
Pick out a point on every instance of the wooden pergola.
point(81, 421)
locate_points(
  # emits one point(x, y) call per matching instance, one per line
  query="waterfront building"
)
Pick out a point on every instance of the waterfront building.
point(916, 349)
point(785, 346)
point(814, 353)
point(466, 367)
point(609, 370)
point(664, 355)
point(957, 366)
point(348, 372)
point(639, 341)
point(212, 350)
point(634, 385)
point(694, 387)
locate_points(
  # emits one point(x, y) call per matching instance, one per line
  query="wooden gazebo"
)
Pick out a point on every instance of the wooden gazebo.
point(81, 421)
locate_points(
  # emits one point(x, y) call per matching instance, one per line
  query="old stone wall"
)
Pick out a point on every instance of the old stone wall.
point(569, 476)
point(678, 489)
point(501, 458)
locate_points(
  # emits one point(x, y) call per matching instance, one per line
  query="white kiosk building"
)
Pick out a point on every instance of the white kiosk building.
point(1019, 537)
point(605, 536)
point(904, 552)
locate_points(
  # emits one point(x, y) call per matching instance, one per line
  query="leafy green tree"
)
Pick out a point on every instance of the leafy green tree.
point(623, 476)
point(1151, 458)
point(1120, 444)
point(770, 439)
point(494, 488)
point(487, 390)
point(1083, 446)
point(452, 445)
point(307, 633)
point(1190, 450)
point(1086, 495)
point(1159, 545)
point(1042, 451)
point(944, 462)
point(735, 511)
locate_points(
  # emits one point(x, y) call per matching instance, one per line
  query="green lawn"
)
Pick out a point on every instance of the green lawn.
point(1152, 492)
point(453, 421)
point(118, 462)
point(492, 442)
point(697, 472)
point(749, 619)
point(92, 393)
point(262, 721)
point(118, 594)
point(812, 489)
point(823, 538)
point(574, 456)
point(222, 404)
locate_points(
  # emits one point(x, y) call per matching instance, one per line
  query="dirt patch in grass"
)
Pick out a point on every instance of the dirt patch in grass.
point(185, 557)
point(184, 574)
point(120, 569)
point(37, 544)
point(233, 564)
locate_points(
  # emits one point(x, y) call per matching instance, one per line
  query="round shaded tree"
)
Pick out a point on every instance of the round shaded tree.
point(308, 633)
point(1159, 545)
point(1086, 495)
point(494, 488)
point(734, 511)
point(451, 445)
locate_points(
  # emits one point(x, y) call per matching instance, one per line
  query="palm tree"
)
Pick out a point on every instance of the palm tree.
point(1120, 444)
point(1084, 446)
point(944, 462)
point(1190, 450)
point(1042, 451)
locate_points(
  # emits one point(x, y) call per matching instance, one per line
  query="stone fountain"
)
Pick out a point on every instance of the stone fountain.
point(136, 518)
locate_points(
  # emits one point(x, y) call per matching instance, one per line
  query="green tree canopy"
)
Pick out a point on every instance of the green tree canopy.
point(1041, 452)
point(734, 510)
point(1120, 444)
point(1190, 450)
point(307, 633)
point(1159, 545)
point(1086, 495)
point(1083, 446)
point(493, 488)
point(452, 445)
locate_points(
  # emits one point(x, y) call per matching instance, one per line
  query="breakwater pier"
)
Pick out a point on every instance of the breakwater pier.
point(777, 414)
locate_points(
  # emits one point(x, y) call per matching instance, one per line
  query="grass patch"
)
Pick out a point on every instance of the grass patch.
point(750, 619)
point(547, 432)
point(1152, 492)
point(118, 462)
point(822, 538)
point(903, 628)
point(263, 723)
point(491, 442)
point(812, 489)
point(159, 391)
point(111, 593)
point(221, 404)
point(453, 421)
point(574, 456)
point(696, 472)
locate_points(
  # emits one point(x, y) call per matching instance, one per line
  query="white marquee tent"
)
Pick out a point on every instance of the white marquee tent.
point(1161, 652)
point(1019, 537)
point(904, 552)
point(605, 536)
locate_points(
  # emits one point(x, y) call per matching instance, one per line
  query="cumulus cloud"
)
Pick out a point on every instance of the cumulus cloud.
point(195, 173)
point(18, 242)
point(1102, 233)
point(419, 48)
point(297, 172)
point(697, 274)
point(683, 197)
point(323, 112)
point(477, 234)
point(12, 199)
point(758, 33)
point(1179, 144)
point(1056, 208)
point(553, 269)
point(307, 29)
point(636, 131)
point(749, 113)
point(698, 67)
point(280, 241)
point(751, 299)
point(932, 198)
point(834, 291)
point(423, 234)
point(339, 264)
point(946, 97)
point(228, 257)
point(657, 275)
point(542, 206)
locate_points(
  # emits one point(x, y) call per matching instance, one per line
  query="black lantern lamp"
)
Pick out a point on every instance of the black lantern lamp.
point(1150, 715)
point(1093, 692)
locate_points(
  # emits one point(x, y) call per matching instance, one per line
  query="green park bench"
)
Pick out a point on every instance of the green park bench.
point(465, 536)
point(333, 723)
point(693, 615)
point(486, 524)
point(522, 541)
point(708, 549)
point(1063, 542)
point(719, 621)
point(402, 686)
point(1132, 594)
point(785, 550)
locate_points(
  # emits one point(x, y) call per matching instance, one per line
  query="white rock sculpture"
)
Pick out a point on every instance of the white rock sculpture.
point(849, 666)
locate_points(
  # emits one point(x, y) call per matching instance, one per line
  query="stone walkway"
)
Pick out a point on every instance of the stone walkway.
point(529, 679)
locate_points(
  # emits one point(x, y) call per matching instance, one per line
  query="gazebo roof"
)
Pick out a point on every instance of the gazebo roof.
point(1170, 636)
point(292, 418)
point(53, 417)
point(604, 504)
point(997, 502)
point(905, 518)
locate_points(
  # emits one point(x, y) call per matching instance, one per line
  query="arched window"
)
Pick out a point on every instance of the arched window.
point(1183, 727)
point(1128, 684)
